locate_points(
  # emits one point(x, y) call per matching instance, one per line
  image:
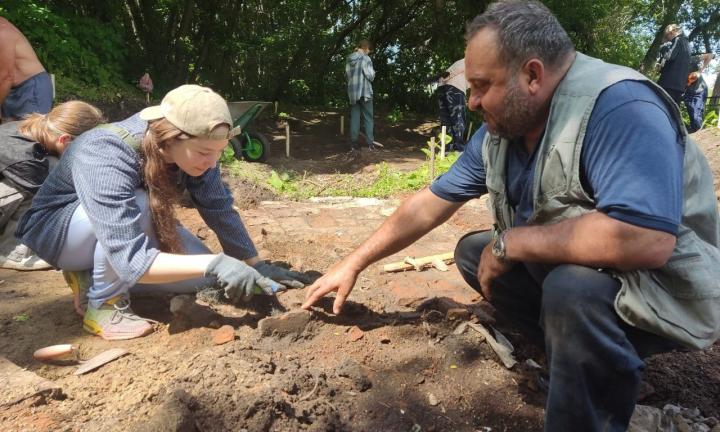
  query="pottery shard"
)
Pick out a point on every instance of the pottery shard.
point(355, 334)
point(223, 335)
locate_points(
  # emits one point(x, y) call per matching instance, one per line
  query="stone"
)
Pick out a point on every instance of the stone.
point(223, 335)
point(289, 323)
point(645, 418)
point(432, 399)
point(348, 368)
point(355, 334)
point(188, 314)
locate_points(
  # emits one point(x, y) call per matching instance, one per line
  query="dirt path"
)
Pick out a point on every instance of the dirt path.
point(388, 363)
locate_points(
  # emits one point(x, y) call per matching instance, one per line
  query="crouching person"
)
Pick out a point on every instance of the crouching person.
point(29, 149)
point(606, 222)
point(105, 215)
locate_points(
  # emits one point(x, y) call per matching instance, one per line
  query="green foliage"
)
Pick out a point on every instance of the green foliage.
point(77, 47)
point(22, 317)
point(711, 119)
point(395, 116)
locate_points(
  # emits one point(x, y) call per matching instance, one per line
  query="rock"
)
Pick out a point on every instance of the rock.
point(355, 334)
point(460, 314)
point(172, 416)
point(289, 323)
point(223, 335)
point(645, 418)
point(432, 400)
point(19, 384)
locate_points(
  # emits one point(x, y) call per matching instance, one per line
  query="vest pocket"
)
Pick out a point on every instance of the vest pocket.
point(692, 271)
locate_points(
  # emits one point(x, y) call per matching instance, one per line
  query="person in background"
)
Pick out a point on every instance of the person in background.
point(696, 93)
point(106, 214)
point(674, 63)
point(29, 149)
point(360, 75)
point(25, 87)
point(452, 87)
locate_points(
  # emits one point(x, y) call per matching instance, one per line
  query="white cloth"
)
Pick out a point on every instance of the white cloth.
point(456, 77)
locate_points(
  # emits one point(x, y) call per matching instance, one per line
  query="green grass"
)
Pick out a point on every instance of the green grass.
point(387, 182)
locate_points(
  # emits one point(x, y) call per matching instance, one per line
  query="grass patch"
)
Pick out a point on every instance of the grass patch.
point(385, 182)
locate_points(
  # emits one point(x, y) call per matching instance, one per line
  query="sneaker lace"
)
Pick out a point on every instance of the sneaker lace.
point(122, 310)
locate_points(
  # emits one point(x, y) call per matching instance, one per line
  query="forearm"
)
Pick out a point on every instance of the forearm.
point(174, 267)
point(413, 219)
point(593, 240)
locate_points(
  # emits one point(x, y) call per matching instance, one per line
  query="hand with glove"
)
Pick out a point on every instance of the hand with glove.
point(288, 278)
point(239, 281)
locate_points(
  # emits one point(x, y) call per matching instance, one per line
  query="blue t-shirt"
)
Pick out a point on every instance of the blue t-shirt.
point(631, 163)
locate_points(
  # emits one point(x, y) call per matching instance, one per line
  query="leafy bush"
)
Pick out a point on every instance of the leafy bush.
point(80, 48)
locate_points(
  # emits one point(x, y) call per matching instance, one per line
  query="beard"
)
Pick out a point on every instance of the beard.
point(519, 116)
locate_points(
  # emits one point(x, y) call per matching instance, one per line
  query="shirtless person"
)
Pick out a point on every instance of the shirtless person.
point(25, 87)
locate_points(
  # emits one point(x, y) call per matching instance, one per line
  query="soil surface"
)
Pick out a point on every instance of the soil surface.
point(393, 361)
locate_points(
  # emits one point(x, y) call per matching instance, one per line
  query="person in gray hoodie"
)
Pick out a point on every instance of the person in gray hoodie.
point(360, 74)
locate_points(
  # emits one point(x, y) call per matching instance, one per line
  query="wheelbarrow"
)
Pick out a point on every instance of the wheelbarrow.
point(250, 144)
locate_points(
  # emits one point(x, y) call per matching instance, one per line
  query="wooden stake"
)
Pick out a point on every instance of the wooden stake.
point(276, 107)
point(432, 159)
point(443, 132)
point(147, 98)
point(342, 124)
point(418, 263)
point(287, 139)
point(469, 132)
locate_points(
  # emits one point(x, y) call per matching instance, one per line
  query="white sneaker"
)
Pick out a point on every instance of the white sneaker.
point(23, 259)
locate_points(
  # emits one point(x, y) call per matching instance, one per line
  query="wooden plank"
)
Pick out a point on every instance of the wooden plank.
point(418, 263)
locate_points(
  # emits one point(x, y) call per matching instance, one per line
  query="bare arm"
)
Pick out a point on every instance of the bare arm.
point(416, 217)
point(175, 267)
point(594, 240)
point(7, 62)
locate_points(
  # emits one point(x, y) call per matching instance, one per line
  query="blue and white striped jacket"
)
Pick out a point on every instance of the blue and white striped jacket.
point(360, 73)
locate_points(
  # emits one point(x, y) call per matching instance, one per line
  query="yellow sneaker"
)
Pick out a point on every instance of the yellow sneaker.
point(79, 283)
point(114, 320)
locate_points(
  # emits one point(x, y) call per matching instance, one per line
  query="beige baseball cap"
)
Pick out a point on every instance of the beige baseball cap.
point(195, 110)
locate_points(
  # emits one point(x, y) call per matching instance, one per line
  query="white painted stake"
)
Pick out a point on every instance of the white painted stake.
point(443, 132)
point(432, 159)
point(342, 125)
point(276, 107)
point(469, 132)
point(287, 139)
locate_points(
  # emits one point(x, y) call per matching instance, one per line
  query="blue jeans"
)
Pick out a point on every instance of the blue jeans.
point(82, 251)
point(695, 104)
point(366, 107)
point(452, 114)
point(34, 95)
point(594, 357)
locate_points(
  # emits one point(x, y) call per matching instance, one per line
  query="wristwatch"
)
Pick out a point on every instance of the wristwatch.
point(498, 247)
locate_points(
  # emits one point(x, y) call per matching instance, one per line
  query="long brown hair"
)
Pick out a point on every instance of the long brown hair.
point(161, 182)
point(72, 118)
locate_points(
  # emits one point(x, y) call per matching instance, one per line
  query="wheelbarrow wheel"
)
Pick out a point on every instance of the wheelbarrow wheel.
point(251, 146)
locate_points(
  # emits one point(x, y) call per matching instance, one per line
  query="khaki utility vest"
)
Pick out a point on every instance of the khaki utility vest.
point(681, 299)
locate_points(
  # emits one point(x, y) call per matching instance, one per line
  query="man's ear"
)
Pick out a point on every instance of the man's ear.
point(534, 71)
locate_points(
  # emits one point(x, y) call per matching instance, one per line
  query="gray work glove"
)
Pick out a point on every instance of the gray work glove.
point(238, 280)
point(289, 278)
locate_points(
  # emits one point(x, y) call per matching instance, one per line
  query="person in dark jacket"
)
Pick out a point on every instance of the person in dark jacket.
point(106, 214)
point(696, 93)
point(29, 149)
point(675, 63)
